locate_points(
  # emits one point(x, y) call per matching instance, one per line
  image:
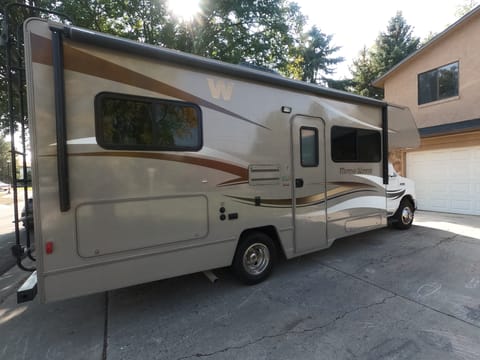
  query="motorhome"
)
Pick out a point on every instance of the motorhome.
point(149, 163)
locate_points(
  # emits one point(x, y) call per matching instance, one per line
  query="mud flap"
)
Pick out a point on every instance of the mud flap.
point(28, 290)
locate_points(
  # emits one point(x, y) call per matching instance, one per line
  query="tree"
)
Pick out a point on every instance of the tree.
point(390, 48)
point(317, 60)
point(140, 20)
point(5, 156)
point(364, 73)
point(11, 21)
point(394, 45)
point(259, 32)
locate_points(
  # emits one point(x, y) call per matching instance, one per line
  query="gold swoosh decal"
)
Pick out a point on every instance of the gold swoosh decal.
point(314, 199)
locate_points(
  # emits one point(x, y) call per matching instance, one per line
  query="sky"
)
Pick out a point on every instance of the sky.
point(357, 23)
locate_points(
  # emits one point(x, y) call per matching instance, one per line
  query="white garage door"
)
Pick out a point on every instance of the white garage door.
point(447, 180)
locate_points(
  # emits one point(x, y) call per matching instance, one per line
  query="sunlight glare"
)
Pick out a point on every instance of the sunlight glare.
point(184, 9)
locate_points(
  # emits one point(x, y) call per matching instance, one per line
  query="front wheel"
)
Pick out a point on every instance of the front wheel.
point(254, 258)
point(404, 215)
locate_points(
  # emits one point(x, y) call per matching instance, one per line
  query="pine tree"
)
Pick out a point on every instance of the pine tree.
point(364, 73)
point(317, 56)
point(390, 48)
point(395, 44)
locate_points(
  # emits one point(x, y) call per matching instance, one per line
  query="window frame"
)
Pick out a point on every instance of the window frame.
point(436, 72)
point(317, 160)
point(356, 145)
point(142, 147)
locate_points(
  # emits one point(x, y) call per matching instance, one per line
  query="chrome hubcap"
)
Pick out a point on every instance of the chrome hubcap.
point(407, 215)
point(256, 258)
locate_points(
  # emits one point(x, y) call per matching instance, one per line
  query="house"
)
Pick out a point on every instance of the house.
point(440, 83)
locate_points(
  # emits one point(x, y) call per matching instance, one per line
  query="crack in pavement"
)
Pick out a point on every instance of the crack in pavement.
point(358, 277)
point(385, 259)
point(283, 333)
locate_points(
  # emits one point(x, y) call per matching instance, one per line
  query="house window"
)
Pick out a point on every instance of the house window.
point(125, 122)
point(309, 146)
point(355, 145)
point(438, 84)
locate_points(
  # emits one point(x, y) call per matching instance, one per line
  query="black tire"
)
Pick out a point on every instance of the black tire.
point(254, 258)
point(404, 215)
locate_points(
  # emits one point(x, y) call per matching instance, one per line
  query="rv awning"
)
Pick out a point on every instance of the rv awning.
point(402, 129)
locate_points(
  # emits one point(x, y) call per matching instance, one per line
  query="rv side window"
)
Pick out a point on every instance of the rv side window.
point(355, 145)
point(125, 122)
point(309, 146)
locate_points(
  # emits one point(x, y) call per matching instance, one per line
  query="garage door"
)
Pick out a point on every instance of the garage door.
point(447, 180)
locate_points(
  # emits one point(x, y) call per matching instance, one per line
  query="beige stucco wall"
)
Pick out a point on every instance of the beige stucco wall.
point(460, 44)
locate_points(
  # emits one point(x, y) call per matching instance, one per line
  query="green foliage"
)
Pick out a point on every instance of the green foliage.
point(260, 32)
point(364, 72)
point(16, 15)
point(390, 48)
point(395, 44)
point(317, 55)
point(5, 171)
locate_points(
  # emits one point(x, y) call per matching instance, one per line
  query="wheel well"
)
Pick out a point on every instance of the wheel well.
point(392, 218)
point(410, 198)
point(271, 232)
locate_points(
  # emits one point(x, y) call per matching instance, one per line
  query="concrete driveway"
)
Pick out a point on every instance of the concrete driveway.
point(385, 294)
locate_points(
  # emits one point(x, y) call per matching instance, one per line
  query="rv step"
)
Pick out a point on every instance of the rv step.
point(28, 290)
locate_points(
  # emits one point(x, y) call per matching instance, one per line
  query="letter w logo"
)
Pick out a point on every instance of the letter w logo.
point(220, 89)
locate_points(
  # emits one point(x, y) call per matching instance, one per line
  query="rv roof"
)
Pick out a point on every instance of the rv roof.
point(189, 60)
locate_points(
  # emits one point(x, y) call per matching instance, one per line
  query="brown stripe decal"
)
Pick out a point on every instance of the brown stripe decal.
point(79, 61)
point(315, 199)
point(239, 171)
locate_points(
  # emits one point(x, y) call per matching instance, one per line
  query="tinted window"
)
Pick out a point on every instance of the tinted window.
point(437, 84)
point(309, 146)
point(355, 145)
point(130, 122)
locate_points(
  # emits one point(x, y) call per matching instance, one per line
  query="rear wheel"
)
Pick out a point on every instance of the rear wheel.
point(254, 258)
point(404, 215)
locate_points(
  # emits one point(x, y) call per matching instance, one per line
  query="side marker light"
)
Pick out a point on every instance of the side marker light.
point(49, 247)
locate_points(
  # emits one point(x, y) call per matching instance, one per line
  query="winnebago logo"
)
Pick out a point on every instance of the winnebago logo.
point(220, 89)
point(356, 171)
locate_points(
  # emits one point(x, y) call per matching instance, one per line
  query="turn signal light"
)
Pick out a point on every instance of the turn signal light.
point(49, 247)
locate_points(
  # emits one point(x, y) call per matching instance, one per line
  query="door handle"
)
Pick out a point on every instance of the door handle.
point(298, 183)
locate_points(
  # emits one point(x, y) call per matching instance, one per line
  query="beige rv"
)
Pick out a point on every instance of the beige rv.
point(150, 163)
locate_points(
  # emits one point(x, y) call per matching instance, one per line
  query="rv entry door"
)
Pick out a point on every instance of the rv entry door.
point(308, 184)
